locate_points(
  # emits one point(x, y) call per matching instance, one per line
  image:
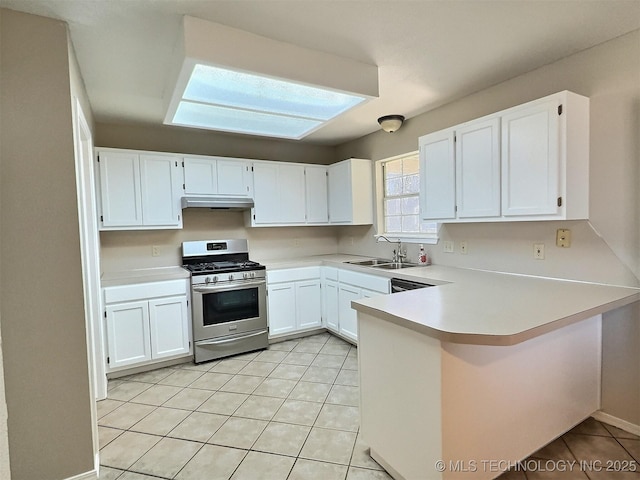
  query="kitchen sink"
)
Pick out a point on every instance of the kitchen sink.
point(371, 263)
point(394, 266)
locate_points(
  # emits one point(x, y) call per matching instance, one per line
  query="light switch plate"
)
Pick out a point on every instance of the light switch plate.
point(464, 249)
point(538, 251)
point(447, 246)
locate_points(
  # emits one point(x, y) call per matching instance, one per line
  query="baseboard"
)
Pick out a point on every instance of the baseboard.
point(90, 475)
point(617, 422)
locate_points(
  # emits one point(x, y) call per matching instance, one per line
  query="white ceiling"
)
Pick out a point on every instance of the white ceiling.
point(428, 52)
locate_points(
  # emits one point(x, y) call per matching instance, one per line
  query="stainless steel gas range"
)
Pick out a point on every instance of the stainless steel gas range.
point(229, 298)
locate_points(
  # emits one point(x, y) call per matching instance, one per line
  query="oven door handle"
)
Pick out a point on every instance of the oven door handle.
point(219, 287)
point(229, 340)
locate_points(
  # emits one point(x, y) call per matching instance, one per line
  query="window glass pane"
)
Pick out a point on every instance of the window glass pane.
point(393, 186)
point(401, 202)
point(393, 169)
point(411, 184)
point(411, 165)
point(410, 223)
point(393, 224)
point(393, 206)
point(410, 206)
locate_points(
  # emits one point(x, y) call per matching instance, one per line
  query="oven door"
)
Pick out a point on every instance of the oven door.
point(233, 308)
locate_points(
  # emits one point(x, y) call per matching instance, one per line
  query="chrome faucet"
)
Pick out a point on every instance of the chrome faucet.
point(399, 254)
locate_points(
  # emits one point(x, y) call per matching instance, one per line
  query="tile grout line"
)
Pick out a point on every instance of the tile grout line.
point(339, 368)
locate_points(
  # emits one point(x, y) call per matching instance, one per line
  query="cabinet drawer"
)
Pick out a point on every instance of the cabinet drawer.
point(362, 280)
point(127, 293)
point(293, 274)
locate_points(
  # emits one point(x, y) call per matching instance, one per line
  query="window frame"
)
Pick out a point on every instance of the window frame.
point(407, 237)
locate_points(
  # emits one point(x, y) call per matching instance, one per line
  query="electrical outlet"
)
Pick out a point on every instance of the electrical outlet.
point(464, 248)
point(447, 246)
point(563, 238)
point(351, 241)
point(155, 251)
point(538, 251)
point(296, 242)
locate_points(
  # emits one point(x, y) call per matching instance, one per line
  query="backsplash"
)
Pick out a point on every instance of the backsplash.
point(126, 250)
point(508, 247)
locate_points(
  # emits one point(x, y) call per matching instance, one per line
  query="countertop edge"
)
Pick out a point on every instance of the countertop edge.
point(494, 339)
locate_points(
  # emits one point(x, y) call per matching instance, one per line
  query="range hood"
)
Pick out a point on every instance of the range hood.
point(220, 202)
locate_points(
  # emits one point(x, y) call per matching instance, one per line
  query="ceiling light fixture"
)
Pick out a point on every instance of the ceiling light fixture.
point(391, 123)
point(235, 81)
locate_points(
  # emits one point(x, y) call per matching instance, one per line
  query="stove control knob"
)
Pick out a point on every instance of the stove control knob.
point(253, 274)
point(245, 275)
point(230, 277)
point(215, 279)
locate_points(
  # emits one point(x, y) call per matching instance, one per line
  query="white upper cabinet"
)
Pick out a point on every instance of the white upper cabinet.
point(160, 181)
point(478, 169)
point(119, 175)
point(139, 191)
point(351, 192)
point(234, 177)
point(217, 176)
point(437, 175)
point(530, 162)
point(278, 193)
point(316, 179)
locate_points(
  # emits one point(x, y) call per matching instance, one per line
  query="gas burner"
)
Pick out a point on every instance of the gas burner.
point(217, 256)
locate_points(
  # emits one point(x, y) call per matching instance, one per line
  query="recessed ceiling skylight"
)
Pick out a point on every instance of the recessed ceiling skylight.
point(236, 81)
point(232, 101)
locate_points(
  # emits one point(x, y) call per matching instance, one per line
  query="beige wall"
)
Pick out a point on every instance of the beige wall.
point(125, 250)
point(43, 328)
point(203, 142)
point(610, 75)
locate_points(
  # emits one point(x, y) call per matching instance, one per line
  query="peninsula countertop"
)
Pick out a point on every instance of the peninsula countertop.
point(490, 308)
point(476, 306)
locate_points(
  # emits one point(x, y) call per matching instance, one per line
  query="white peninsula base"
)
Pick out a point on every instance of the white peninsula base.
point(477, 408)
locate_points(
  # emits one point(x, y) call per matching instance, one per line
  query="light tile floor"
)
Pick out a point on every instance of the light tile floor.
point(289, 412)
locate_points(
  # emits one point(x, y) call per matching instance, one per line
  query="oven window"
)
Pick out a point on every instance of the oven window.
point(223, 307)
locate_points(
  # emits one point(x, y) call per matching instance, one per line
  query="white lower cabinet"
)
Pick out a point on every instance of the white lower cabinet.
point(302, 299)
point(294, 300)
point(330, 298)
point(146, 322)
point(340, 288)
point(128, 334)
point(347, 316)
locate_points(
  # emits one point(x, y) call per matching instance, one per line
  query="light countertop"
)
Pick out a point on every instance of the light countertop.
point(479, 307)
point(464, 306)
point(142, 275)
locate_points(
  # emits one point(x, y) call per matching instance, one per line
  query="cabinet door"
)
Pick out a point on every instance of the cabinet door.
point(478, 169)
point(234, 178)
point(128, 333)
point(120, 189)
point(159, 185)
point(265, 193)
point(308, 304)
point(282, 308)
point(330, 298)
point(200, 176)
point(316, 191)
point(530, 160)
point(291, 189)
point(347, 315)
point(169, 327)
point(340, 193)
point(437, 176)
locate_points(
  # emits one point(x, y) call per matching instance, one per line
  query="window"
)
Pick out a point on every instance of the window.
point(401, 201)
